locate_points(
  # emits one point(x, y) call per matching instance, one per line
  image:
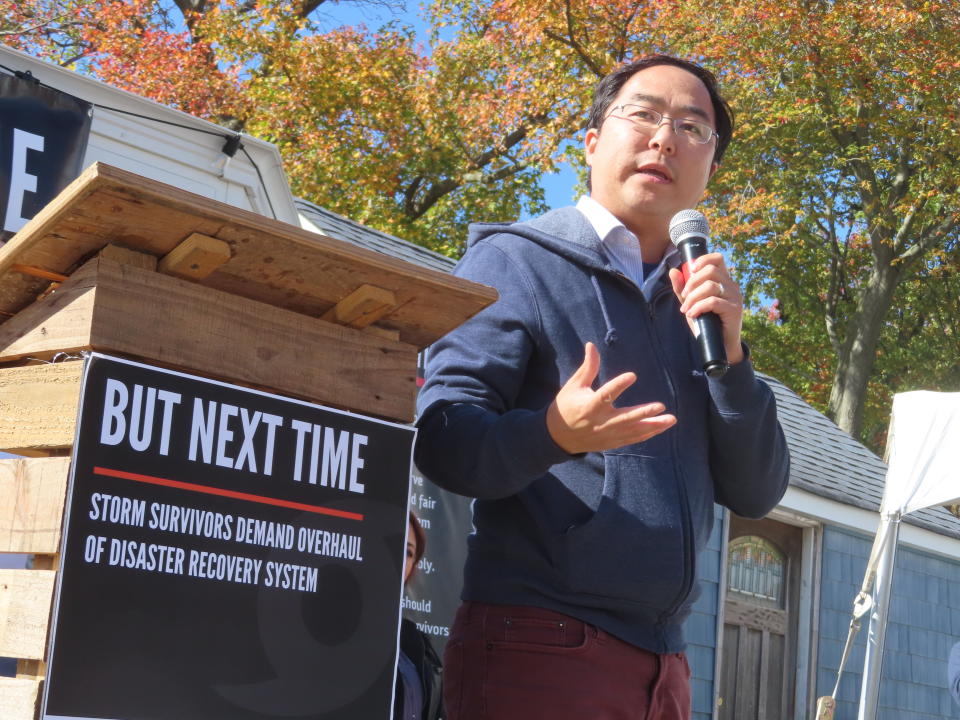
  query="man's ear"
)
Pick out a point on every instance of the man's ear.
point(590, 143)
point(713, 169)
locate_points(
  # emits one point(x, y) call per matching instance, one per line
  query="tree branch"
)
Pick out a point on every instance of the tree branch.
point(572, 43)
point(906, 226)
point(32, 28)
point(831, 301)
point(624, 39)
point(415, 207)
point(901, 183)
point(929, 240)
point(409, 208)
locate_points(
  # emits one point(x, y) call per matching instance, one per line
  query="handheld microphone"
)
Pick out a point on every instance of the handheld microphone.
point(689, 232)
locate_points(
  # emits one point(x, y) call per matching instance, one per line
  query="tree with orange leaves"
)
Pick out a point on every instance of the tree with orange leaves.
point(369, 125)
point(841, 197)
point(838, 198)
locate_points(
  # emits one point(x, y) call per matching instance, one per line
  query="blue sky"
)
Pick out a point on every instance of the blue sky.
point(558, 187)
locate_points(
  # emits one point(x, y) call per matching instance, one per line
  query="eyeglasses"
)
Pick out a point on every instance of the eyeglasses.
point(647, 119)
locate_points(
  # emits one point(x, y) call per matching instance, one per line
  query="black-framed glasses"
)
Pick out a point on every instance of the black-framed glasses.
point(648, 119)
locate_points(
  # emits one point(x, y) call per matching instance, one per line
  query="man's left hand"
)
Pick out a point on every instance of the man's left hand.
point(711, 289)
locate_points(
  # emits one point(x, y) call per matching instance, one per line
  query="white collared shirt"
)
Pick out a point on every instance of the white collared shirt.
point(623, 247)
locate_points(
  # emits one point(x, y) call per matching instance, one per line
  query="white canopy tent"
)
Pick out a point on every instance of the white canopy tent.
point(923, 457)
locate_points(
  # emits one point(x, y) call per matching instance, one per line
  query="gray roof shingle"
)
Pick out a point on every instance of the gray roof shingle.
point(826, 461)
point(341, 228)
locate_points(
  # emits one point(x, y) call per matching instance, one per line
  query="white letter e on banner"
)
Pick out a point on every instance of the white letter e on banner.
point(21, 182)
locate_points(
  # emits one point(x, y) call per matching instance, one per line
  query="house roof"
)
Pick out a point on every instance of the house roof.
point(825, 460)
point(341, 228)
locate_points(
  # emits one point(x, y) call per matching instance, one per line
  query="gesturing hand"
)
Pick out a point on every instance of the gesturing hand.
point(581, 419)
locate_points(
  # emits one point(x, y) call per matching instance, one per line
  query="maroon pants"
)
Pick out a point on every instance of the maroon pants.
point(509, 662)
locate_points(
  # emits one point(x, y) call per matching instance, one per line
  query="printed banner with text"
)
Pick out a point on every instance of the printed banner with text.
point(227, 554)
point(43, 139)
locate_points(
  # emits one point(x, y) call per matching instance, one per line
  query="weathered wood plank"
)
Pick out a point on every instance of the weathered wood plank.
point(127, 256)
point(25, 600)
point(38, 407)
point(362, 308)
point(180, 324)
point(272, 262)
point(196, 257)
point(742, 692)
point(19, 698)
point(58, 323)
point(382, 332)
point(32, 493)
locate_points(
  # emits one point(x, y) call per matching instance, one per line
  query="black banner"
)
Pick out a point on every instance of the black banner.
point(228, 554)
point(43, 138)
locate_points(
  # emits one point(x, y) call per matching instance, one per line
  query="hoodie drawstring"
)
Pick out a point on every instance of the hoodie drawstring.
point(611, 337)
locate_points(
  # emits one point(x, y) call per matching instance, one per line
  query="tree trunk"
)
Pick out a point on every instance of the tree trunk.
point(859, 350)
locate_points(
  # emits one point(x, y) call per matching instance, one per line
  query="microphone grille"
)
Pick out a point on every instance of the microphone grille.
point(688, 222)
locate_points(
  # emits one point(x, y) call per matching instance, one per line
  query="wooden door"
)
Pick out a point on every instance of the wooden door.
point(758, 661)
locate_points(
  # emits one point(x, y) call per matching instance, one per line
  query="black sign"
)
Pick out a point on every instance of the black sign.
point(43, 138)
point(228, 554)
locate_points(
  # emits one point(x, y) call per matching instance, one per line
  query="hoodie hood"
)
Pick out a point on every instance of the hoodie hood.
point(566, 232)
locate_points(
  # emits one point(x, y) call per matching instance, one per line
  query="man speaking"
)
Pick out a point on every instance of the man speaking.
point(577, 412)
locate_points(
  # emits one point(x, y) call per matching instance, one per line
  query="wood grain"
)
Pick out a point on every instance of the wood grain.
point(272, 262)
point(170, 322)
point(32, 493)
point(361, 308)
point(127, 256)
point(196, 257)
point(19, 698)
point(25, 600)
point(38, 407)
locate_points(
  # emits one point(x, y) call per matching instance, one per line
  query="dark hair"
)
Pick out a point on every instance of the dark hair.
point(609, 87)
point(420, 538)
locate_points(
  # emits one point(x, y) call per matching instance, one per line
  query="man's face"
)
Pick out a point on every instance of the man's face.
point(644, 177)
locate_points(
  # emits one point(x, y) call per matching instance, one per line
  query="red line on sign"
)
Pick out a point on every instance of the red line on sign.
point(192, 487)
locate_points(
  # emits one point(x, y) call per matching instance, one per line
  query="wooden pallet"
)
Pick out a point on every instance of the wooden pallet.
point(32, 493)
point(123, 264)
point(128, 266)
point(143, 314)
point(232, 250)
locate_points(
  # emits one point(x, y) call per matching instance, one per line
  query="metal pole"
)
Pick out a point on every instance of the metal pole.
point(877, 629)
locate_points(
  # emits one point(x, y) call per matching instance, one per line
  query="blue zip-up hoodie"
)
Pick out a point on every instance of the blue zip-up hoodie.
point(610, 538)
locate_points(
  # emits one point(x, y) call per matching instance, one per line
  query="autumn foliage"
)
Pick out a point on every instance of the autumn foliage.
point(841, 198)
point(838, 199)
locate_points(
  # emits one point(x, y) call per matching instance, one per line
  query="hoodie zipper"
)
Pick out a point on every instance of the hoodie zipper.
point(686, 523)
point(686, 531)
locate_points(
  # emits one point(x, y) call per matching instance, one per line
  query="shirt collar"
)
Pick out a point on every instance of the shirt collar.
point(605, 224)
point(602, 220)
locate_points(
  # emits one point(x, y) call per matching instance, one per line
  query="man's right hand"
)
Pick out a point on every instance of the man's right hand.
point(581, 419)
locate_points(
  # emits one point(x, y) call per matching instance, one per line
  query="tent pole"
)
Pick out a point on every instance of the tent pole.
point(877, 628)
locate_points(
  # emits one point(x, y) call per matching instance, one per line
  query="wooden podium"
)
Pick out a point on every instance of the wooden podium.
point(134, 268)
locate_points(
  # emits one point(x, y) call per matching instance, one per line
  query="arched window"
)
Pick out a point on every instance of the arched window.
point(756, 571)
